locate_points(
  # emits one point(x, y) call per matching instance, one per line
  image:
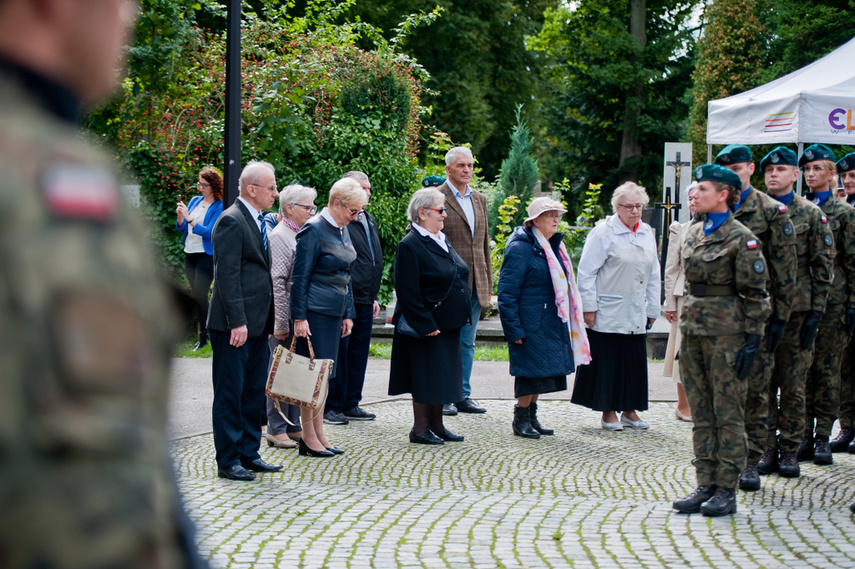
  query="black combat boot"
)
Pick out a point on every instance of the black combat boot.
point(768, 462)
point(805, 451)
point(788, 467)
point(822, 451)
point(749, 480)
point(535, 424)
point(721, 504)
point(522, 423)
point(842, 440)
point(691, 504)
point(203, 339)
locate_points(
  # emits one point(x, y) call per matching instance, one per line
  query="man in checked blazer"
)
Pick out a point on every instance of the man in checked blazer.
point(239, 321)
point(466, 230)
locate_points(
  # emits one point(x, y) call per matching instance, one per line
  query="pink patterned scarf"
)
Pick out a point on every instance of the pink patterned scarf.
point(568, 301)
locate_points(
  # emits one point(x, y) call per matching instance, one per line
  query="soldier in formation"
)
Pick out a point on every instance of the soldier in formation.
point(846, 413)
point(768, 220)
point(822, 388)
point(814, 249)
point(723, 322)
point(85, 479)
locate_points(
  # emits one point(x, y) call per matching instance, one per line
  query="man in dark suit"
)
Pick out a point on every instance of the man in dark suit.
point(466, 229)
point(239, 322)
point(346, 387)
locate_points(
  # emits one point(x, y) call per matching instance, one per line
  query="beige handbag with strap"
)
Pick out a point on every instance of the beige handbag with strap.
point(298, 380)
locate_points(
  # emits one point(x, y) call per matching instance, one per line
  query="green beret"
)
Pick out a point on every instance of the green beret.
point(430, 181)
point(716, 173)
point(816, 152)
point(780, 155)
point(733, 154)
point(846, 163)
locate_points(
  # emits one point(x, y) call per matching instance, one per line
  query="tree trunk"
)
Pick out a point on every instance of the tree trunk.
point(630, 147)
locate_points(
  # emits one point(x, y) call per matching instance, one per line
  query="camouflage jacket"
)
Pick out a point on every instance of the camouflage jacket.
point(85, 345)
point(768, 220)
point(841, 223)
point(729, 257)
point(815, 251)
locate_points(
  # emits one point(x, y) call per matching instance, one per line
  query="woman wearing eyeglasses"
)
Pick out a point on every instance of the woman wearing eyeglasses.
point(619, 284)
point(432, 285)
point(322, 294)
point(296, 207)
point(541, 313)
point(196, 221)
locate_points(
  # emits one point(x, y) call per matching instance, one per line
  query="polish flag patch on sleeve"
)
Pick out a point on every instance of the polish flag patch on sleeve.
point(782, 208)
point(77, 191)
point(751, 243)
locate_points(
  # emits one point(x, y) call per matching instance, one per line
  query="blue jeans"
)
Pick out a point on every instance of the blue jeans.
point(467, 343)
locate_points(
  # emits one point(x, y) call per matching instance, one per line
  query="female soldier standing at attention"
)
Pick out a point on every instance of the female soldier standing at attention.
point(724, 315)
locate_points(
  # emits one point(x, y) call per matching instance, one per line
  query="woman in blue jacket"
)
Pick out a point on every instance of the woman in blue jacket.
point(541, 313)
point(196, 221)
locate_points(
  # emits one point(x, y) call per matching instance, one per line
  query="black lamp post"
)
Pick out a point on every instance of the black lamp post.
point(232, 166)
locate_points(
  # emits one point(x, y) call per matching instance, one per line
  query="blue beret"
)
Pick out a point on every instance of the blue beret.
point(429, 181)
point(846, 163)
point(780, 155)
point(816, 152)
point(716, 173)
point(733, 154)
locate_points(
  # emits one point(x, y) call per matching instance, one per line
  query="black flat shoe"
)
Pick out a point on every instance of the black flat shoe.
point(258, 465)
point(426, 438)
point(304, 450)
point(235, 472)
point(447, 435)
point(335, 450)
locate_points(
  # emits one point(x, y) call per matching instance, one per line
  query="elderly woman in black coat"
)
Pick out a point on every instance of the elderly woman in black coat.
point(541, 313)
point(432, 284)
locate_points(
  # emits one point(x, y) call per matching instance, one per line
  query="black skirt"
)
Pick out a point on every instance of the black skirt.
point(430, 368)
point(616, 378)
point(534, 385)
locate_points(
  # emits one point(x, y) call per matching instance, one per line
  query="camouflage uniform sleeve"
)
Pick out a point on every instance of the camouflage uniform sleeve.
point(783, 263)
point(751, 278)
point(821, 259)
point(848, 253)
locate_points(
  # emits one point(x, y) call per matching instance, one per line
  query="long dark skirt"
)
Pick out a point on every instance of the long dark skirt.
point(616, 378)
point(430, 368)
point(535, 385)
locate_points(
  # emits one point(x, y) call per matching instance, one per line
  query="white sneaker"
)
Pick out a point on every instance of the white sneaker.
point(633, 424)
point(616, 426)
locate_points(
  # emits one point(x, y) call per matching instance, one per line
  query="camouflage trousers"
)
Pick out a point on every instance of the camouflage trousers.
point(717, 400)
point(757, 402)
point(787, 416)
point(822, 386)
point(846, 414)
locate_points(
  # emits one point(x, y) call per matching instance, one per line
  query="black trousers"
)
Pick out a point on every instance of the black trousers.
point(199, 268)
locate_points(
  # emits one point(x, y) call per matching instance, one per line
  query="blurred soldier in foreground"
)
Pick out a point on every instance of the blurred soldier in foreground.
point(86, 332)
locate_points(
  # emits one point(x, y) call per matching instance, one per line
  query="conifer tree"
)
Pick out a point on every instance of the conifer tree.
point(519, 174)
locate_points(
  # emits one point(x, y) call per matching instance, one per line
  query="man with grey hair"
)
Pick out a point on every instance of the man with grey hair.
point(239, 322)
point(346, 388)
point(466, 230)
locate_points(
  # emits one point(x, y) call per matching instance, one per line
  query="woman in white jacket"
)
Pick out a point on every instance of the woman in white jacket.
point(619, 284)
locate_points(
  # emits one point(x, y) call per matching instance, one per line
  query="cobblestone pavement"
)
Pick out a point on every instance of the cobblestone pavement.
point(582, 498)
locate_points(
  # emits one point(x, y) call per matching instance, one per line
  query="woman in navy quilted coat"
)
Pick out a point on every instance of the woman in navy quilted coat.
point(541, 313)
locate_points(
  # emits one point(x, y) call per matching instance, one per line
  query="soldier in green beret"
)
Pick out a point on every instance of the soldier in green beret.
point(846, 413)
point(822, 387)
point(815, 251)
point(723, 321)
point(88, 329)
point(769, 222)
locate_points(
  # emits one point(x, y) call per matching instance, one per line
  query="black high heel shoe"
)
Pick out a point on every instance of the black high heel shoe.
point(335, 450)
point(304, 450)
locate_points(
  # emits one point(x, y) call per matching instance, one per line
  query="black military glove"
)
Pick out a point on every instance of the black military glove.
point(810, 328)
point(746, 356)
point(850, 318)
point(774, 332)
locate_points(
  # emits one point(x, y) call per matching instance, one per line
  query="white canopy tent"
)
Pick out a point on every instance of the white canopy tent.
point(814, 104)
